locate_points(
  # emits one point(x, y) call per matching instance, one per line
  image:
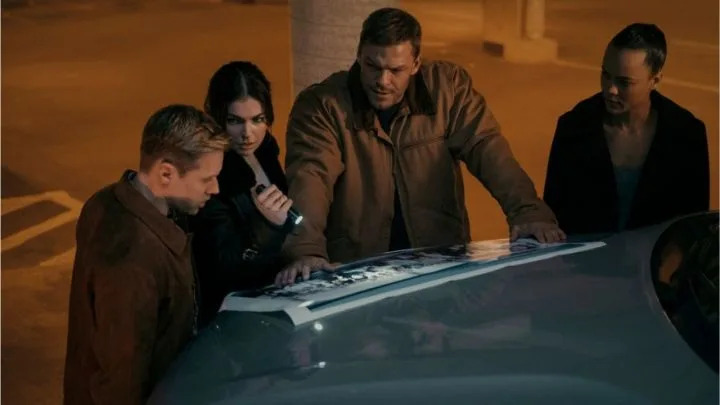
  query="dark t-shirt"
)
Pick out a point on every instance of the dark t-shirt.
point(398, 234)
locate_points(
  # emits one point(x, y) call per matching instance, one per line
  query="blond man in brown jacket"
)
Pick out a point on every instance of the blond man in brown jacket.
point(132, 297)
point(373, 156)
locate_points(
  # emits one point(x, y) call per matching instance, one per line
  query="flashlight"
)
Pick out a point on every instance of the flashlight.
point(295, 216)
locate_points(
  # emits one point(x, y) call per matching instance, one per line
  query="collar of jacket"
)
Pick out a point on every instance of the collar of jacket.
point(665, 115)
point(165, 229)
point(417, 99)
point(159, 203)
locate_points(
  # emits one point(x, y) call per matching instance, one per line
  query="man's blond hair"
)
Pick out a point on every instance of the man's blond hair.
point(180, 134)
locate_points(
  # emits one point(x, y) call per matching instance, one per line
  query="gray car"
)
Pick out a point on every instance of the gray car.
point(632, 322)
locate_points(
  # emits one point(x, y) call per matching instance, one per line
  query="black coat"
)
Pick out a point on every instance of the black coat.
point(235, 247)
point(580, 184)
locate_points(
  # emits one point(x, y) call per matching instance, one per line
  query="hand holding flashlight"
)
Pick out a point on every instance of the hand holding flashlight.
point(275, 206)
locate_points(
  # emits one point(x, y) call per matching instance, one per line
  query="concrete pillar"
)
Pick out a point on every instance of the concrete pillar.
point(325, 35)
point(534, 19)
point(516, 29)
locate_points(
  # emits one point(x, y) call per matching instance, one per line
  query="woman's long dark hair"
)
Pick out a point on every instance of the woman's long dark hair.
point(234, 81)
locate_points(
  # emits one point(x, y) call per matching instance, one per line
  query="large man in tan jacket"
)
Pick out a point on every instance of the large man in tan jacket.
point(373, 155)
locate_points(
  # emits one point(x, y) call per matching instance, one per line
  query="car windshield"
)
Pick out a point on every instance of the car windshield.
point(685, 275)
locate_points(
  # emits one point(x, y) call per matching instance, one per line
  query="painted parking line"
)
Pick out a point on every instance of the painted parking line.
point(66, 257)
point(59, 197)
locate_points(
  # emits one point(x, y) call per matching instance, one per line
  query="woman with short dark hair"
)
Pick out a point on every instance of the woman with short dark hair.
point(628, 156)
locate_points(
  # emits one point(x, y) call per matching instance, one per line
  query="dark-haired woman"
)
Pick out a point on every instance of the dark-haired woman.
point(239, 233)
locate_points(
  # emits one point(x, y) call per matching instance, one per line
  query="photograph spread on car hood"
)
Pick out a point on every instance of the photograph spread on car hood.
point(360, 283)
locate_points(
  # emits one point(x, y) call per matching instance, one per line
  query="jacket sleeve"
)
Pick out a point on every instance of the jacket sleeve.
point(239, 247)
point(125, 312)
point(697, 178)
point(313, 163)
point(475, 138)
point(558, 182)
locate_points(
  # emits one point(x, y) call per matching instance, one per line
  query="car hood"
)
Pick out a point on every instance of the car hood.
point(585, 326)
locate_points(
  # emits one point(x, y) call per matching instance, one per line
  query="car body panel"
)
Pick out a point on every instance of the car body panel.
point(582, 327)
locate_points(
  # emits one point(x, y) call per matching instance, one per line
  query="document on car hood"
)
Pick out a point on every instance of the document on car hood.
point(395, 273)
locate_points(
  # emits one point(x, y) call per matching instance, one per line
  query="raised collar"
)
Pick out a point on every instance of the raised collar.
point(159, 203)
point(417, 99)
point(135, 202)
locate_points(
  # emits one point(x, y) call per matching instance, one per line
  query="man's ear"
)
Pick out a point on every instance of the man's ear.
point(416, 65)
point(655, 81)
point(358, 54)
point(167, 172)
